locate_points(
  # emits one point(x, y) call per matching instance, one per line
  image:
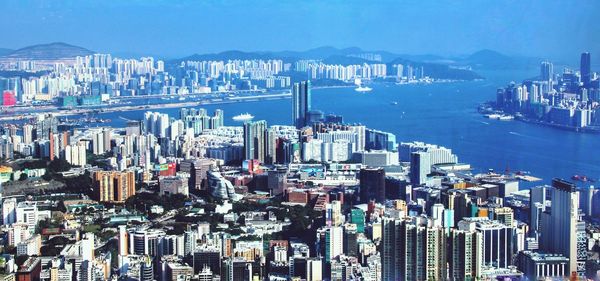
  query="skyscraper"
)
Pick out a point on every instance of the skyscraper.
point(413, 250)
point(255, 134)
point(372, 184)
point(301, 100)
point(546, 71)
point(585, 69)
point(420, 167)
point(498, 248)
point(334, 242)
point(560, 231)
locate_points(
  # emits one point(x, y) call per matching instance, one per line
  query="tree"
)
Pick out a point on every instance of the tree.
point(23, 177)
point(20, 260)
point(59, 165)
point(47, 176)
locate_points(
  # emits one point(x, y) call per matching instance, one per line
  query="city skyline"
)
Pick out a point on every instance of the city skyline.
point(321, 165)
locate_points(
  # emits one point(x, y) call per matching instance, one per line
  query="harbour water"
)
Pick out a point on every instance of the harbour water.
point(444, 114)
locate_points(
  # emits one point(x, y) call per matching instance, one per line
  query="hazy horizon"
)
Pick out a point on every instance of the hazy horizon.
point(558, 30)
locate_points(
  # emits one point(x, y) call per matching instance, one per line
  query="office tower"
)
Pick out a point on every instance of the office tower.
point(465, 256)
point(420, 167)
point(207, 257)
point(27, 213)
point(112, 186)
point(437, 214)
point(9, 214)
point(589, 201)
point(498, 242)
point(437, 154)
point(334, 243)
point(30, 269)
point(145, 242)
point(413, 250)
point(198, 170)
point(372, 184)
point(333, 213)
point(546, 71)
point(174, 271)
point(357, 217)
point(254, 140)
point(98, 143)
point(542, 266)
point(27, 133)
point(585, 69)
point(123, 241)
point(301, 103)
point(237, 269)
point(504, 215)
point(107, 135)
point(146, 270)
point(314, 269)
point(133, 128)
point(361, 134)
point(271, 144)
point(350, 240)
point(537, 205)
point(561, 231)
point(277, 180)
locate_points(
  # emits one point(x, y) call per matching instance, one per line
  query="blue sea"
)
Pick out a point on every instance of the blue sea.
point(444, 114)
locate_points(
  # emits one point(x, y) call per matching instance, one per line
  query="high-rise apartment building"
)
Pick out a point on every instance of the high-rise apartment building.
point(113, 186)
point(255, 134)
point(413, 250)
point(465, 256)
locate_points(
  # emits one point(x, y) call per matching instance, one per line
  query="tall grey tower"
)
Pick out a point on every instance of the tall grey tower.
point(301, 101)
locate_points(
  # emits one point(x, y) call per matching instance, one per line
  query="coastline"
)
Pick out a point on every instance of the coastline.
point(490, 110)
point(116, 108)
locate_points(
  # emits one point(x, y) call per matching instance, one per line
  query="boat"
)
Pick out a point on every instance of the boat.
point(243, 117)
point(394, 103)
point(581, 178)
point(361, 88)
point(502, 117)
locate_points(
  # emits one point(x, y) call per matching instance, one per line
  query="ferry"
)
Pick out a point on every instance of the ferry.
point(243, 117)
point(501, 117)
point(361, 88)
point(582, 178)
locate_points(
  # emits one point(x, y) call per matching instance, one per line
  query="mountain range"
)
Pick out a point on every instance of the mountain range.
point(437, 66)
point(51, 51)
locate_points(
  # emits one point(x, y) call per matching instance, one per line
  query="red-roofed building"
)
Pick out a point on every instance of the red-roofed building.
point(8, 98)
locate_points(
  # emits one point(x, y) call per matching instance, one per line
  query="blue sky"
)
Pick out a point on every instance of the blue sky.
point(553, 29)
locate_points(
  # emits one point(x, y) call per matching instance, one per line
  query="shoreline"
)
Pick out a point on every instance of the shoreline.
point(109, 109)
point(587, 130)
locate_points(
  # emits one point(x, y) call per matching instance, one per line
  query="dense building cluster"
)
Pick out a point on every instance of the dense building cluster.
point(569, 99)
point(96, 79)
point(189, 198)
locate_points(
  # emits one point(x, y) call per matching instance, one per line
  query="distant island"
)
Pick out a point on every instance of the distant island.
point(569, 100)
